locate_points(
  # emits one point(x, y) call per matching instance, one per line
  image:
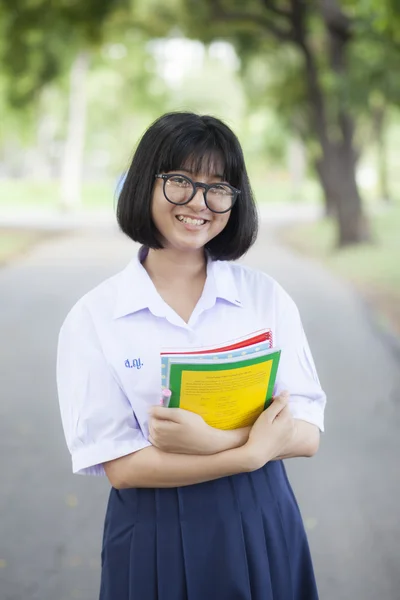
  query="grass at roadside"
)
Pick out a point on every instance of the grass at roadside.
point(15, 242)
point(30, 194)
point(373, 268)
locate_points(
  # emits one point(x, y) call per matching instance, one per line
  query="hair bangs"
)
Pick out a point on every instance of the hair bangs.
point(209, 153)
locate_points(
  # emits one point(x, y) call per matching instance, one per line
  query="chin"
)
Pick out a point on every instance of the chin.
point(185, 243)
point(187, 247)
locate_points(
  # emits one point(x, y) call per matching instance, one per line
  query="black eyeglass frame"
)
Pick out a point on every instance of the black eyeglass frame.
point(196, 185)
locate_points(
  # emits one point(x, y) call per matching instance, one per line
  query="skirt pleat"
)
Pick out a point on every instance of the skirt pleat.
point(235, 538)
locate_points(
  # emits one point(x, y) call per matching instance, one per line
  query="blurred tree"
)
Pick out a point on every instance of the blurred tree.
point(371, 89)
point(278, 81)
point(126, 91)
point(377, 51)
point(320, 33)
point(313, 42)
point(71, 173)
point(42, 39)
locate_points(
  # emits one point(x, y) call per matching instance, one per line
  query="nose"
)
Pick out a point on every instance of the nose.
point(197, 202)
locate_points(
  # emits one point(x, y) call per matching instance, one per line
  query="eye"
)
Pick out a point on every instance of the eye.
point(221, 190)
point(179, 180)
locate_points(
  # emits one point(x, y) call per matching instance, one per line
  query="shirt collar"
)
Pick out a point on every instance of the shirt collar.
point(136, 291)
point(220, 275)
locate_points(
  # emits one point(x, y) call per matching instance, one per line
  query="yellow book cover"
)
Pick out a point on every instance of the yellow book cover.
point(227, 393)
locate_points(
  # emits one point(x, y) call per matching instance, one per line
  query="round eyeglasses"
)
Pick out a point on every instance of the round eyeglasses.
point(179, 189)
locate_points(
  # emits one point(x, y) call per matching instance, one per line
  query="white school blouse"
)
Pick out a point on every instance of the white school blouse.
point(108, 361)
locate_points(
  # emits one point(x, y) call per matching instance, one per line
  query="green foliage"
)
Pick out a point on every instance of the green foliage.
point(379, 16)
point(39, 37)
point(125, 94)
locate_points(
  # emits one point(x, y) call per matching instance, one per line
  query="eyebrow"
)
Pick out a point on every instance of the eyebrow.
point(210, 174)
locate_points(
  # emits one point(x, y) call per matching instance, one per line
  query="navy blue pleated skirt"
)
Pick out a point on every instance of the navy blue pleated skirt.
point(235, 538)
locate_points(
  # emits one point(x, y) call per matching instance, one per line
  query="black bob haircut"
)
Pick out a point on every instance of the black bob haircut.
point(198, 143)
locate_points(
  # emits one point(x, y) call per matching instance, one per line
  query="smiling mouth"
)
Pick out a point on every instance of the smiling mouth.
point(190, 221)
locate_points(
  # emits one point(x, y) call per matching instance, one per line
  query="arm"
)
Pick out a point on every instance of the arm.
point(227, 440)
point(189, 434)
point(175, 430)
point(297, 373)
point(152, 467)
point(305, 441)
point(222, 439)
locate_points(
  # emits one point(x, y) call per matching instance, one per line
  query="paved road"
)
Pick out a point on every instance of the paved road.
point(50, 529)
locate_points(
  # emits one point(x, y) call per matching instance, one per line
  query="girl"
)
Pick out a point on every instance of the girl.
point(195, 513)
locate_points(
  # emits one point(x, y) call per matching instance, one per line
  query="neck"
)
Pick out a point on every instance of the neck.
point(171, 265)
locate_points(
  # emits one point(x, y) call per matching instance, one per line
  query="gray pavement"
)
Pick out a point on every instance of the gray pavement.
point(51, 521)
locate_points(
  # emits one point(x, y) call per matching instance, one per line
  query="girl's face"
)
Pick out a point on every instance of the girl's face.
point(191, 226)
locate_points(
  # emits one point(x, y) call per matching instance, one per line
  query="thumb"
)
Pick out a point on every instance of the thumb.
point(278, 404)
point(165, 414)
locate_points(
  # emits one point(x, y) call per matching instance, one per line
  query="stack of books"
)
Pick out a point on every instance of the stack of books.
point(228, 386)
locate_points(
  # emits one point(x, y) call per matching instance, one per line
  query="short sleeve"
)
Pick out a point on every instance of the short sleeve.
point(98, 420)
point(297, 372)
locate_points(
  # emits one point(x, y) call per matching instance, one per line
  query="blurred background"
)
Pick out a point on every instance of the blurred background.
point(313, 93)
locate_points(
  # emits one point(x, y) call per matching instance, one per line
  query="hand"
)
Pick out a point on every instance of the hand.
point(181, 431)
point(271, 433)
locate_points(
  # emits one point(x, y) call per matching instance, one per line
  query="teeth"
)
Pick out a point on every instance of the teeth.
point(190, 221)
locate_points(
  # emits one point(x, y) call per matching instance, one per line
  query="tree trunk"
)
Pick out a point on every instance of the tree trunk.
point(71, 171)
point(339, 156)
point(297, 168)
point(321, 168)
point(379, 122)
point(338, 179)
point(41, 161)
point(352, 223)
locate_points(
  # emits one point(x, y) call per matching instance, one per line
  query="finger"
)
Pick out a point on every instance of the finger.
point(285, 412)
point(172, 414)
point(162, 427)
point(158, 411)
point(165, 414)
point(282, 396)
point(278, 404)
point(153, 442)
point(151, 429)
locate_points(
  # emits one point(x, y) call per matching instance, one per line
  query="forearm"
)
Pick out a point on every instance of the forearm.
point(223, 440)
point(153, 468)
point(305, 441)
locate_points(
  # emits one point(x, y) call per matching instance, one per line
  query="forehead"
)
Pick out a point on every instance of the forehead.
point(208, 164)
